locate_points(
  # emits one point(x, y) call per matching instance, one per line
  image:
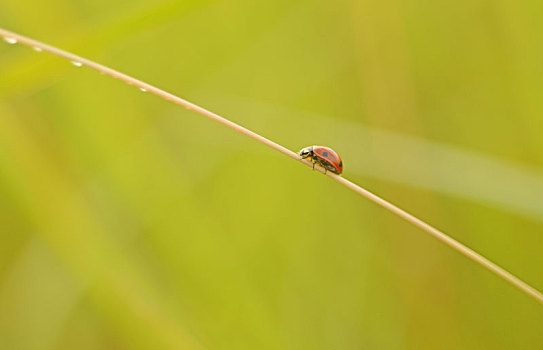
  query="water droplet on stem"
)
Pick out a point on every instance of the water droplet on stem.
point(10, 40)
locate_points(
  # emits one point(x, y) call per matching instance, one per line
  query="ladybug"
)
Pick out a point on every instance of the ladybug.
point(325, 157)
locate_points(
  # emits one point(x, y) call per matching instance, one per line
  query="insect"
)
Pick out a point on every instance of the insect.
point(325, 157)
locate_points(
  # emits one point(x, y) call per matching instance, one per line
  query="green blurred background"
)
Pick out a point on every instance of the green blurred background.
point(127, 222)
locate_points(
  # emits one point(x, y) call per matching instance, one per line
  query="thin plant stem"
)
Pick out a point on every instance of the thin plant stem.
point(12, 38)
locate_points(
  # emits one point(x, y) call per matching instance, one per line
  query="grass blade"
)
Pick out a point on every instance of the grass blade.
point(13, 38)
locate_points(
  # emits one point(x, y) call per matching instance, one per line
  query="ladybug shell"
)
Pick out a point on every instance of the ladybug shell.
point(329, 155)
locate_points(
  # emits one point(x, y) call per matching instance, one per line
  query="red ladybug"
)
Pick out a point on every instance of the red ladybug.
point(325, 157)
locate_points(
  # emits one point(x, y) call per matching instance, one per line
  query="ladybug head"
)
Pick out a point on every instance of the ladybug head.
point(306, 152)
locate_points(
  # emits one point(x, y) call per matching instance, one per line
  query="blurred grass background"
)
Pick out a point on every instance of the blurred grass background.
point(129, 223)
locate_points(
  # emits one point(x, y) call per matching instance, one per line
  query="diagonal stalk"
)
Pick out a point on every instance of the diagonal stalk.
point(13, 38)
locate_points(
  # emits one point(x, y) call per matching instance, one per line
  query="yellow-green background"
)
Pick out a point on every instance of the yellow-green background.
point(127, 222)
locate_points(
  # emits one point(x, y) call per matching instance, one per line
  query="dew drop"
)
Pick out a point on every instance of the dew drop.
point(143, 90)
point(10, 40)
point(77, 64)
point(37, 49)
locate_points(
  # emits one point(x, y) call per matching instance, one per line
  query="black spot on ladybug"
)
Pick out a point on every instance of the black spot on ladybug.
point(340, 164)
point(325, 154)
